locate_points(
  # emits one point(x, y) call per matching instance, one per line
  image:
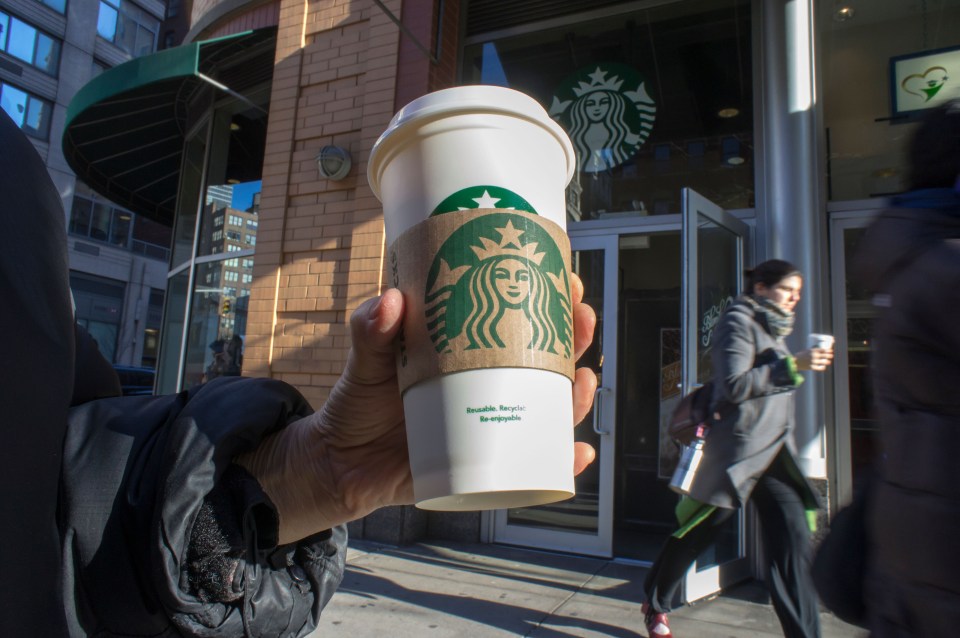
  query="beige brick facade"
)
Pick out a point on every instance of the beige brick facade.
point(320, 243)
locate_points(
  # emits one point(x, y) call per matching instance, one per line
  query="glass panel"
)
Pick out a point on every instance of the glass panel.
point(120, 230)
point(649, 352)
point(172, 333)
point(718, 284)
point(59, 6)
point(48, 54)
point(100, 221)
point(191, 177)
point(718, 280)
point(126, 34)
point(213, 347)
point(107, 22)
point(80, 214)
point(4, 30)
point(654, 100)
point(866, 137)
point(38, 117)
point(14, 102)
point(861, 315)
point(578, 514)
point(22, 38)
point(146, 40)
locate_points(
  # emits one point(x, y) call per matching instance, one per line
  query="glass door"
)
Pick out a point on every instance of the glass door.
point(714, 249)
point(583, 524)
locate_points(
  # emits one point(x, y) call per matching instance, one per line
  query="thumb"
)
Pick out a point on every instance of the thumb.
point(373, 327)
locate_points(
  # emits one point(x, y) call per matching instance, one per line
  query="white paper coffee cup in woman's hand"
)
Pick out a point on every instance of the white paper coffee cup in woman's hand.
point(821, 341)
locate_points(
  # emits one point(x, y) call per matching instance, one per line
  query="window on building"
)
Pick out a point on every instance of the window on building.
point(127, 26)
point(30, 112)
point(60, 6)
point(654, 100)
point(27, 43)
point(99, 303)
point(866, 137)
point(101, 221)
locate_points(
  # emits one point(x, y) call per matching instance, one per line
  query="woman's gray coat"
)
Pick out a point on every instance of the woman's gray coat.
point(753, 396)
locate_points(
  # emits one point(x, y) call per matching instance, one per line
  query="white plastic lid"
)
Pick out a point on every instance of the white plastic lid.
point(478, 98)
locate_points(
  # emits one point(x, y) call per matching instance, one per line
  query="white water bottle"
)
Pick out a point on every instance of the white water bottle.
point(687, 466)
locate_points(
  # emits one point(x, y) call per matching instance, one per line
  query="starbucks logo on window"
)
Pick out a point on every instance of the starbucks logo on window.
point(606, 110)
point(499, 282)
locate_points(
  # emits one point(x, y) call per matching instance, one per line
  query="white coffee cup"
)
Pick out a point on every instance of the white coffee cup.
point(822, 341)
point(482, 438)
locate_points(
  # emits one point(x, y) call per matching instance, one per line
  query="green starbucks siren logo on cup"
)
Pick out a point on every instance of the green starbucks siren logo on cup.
point(608, 113)
point(499, 282)
point(483, 197)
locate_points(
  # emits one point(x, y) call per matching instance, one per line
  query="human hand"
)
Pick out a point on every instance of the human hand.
point(816, 359)
point(350, 458)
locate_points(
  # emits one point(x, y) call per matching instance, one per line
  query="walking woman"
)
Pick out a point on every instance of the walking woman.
point(750, 454)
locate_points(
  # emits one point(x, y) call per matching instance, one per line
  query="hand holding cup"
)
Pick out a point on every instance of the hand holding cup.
point(819, 355)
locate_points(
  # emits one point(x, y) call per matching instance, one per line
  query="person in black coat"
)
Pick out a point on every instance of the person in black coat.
point(217, 511)
point(910, 257)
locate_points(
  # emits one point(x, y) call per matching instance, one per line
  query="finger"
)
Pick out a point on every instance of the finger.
point(583, 455)
point(576, 288)
point(373, 327)
point(584, 324)
point(584, 387)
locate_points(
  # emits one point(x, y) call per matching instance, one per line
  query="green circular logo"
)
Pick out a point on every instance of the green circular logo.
point(608, 113)
point(499, 270)
point(483, 197)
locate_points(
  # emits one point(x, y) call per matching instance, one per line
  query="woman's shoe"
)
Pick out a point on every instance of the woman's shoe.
point(657, 624)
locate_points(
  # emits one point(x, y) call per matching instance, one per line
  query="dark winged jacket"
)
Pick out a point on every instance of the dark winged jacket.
point(910, 257)
point(123, 516)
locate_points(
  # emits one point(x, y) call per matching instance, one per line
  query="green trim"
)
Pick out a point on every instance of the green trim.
point(795, 375)
point(812, 520)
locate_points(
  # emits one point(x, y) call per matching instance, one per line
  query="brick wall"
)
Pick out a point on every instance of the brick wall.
point(319, 242)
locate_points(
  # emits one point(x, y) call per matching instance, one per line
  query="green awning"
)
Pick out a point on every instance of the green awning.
point(125, 129)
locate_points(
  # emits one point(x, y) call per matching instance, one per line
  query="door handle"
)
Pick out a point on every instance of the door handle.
point(596, 410)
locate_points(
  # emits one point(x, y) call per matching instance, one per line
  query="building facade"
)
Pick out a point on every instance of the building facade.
point(710, 135)
point(118, 259)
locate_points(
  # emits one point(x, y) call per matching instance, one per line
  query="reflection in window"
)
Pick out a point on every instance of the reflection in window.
point(27, 43)
point(60, 6)
point(866, 142)
point(31, 113)
point(101, 221)
point(127, 26)
point(671, 109)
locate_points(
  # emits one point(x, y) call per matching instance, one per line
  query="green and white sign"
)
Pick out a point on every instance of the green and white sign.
point(607, 112)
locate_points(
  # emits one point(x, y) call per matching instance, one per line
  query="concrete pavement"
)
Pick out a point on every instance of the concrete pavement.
point(441, 589)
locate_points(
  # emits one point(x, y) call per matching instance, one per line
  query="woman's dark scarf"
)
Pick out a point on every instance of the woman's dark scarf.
point(779, 321)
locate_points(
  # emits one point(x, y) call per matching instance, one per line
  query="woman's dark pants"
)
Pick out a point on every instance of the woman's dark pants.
point(786, 543)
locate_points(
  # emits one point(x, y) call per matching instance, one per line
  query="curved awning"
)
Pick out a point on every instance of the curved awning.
point(125, 129)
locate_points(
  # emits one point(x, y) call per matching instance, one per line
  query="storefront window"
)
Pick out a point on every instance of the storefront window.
point(884, 62)
point(654, 100)
point(220, 182)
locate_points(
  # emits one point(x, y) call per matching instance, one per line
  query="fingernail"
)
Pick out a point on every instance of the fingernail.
point(375, 311)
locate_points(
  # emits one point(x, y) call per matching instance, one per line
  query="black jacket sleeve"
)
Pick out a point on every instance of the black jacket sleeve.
point(138, 474)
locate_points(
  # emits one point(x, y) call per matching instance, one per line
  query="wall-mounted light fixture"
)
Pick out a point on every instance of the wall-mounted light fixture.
point(333, 162)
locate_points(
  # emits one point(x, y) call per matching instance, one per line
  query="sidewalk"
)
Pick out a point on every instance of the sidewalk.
point(441, 589)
